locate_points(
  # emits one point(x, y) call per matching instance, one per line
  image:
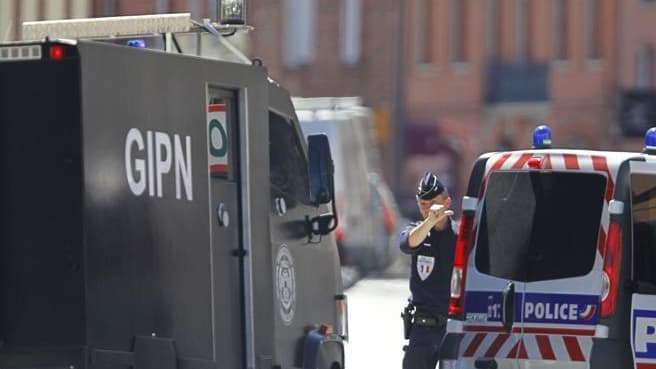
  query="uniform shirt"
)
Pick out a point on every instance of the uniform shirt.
point(432, 264)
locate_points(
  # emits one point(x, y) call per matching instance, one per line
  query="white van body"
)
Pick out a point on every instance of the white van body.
point(557, 262)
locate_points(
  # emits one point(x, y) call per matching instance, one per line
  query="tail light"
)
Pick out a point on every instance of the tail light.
point(389, 220)
point(463, 246)
point(611, 273)
point(339, 235)
point(612, 260)
point(57, 52)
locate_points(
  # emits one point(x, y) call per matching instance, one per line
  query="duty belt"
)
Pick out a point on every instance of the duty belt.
point(429, 321)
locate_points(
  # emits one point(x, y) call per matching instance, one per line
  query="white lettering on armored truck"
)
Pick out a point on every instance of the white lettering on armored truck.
point(161, 153)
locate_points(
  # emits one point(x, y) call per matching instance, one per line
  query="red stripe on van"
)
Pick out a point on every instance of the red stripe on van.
point(645, 365)
point(487, 328)
point(497, 164)
point(573, 348)
point(522, 350)
point(522, 160)
point(473, 346)
point(496, 345)
point(546, 163)
point(599, 163)
point(571, 161)
point(544, 344)
point(518, 351)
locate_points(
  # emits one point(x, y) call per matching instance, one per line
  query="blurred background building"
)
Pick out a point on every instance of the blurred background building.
point(447, 79)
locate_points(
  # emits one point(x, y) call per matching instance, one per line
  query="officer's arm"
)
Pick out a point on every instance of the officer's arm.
point(418, 234)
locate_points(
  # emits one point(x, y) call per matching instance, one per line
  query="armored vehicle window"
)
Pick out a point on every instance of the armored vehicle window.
point(643, 199)
point(287, 163)
point(539, 226)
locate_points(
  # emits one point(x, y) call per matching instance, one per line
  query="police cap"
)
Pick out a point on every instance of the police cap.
point(429, 186)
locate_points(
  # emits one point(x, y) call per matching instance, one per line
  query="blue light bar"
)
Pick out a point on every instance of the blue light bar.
point(542, 137)
point(650, 141)
point(138, 43)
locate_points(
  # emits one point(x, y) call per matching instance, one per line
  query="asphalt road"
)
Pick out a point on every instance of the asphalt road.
point(375, 326)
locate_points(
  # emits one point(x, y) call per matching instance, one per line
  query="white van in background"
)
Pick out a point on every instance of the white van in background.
point(366, 234)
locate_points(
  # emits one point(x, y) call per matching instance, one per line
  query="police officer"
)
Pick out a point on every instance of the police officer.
point(431, 243)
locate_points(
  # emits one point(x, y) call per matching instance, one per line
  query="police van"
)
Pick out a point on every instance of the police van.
point(555, 262)
point(160, 209)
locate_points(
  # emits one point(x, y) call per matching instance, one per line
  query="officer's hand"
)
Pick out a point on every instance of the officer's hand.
point(435, 210)
point(439, 213)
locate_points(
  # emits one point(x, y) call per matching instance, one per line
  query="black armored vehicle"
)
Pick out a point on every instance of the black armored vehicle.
point(159, 210)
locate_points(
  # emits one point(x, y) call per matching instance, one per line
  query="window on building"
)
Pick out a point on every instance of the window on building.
point(80, 9)
point(162, 6)
point(592, 31)
point(351, 31)
point(29, 10)
point(561, 29)
point(194, 7)
point(522, 30)
point(299, 32)
point(492, 29)
point(54, 9)
point(109, 8)
point(7, 23)
point(424, 31)
point(458, 30)
point(644, 68)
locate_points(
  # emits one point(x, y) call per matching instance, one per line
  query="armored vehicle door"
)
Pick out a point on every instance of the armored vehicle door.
point(227, 252)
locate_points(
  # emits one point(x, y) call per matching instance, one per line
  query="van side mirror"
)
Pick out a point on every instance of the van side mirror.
point(321, 169)
point(322, 188)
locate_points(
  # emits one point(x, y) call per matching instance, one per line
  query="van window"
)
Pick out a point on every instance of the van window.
point(287, 163)
point(539, 226)
point(643, 199)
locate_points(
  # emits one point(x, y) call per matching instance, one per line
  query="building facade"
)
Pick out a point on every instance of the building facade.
point(336, 48)
point(14, 12)
point(483, 73)
point(447, 79)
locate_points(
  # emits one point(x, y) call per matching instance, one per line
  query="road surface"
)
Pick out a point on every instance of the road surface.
point(375, 325)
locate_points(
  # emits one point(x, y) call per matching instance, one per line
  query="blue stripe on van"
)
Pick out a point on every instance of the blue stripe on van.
point(561, 308)
point(485, 306)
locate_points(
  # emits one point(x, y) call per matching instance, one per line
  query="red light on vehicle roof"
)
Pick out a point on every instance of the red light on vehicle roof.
point(535, 163)
point(57, 52)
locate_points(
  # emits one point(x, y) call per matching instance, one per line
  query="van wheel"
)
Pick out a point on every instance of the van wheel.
point(335, 366)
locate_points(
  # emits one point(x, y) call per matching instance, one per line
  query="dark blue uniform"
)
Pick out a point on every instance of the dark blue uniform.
point(430, 285)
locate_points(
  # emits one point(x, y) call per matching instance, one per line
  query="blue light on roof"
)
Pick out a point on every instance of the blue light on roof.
point(542, 137)
point(650, 139)
point(138, 43)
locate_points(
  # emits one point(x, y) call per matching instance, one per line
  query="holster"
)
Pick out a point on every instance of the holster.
point(408, 316)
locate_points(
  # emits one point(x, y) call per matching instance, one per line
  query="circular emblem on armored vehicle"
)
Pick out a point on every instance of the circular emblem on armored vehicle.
point(286, 284)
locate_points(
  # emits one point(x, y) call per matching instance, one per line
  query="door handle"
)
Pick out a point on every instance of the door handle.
point(223, 215)
point(508, 307)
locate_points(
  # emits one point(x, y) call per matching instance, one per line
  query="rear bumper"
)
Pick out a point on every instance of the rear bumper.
point(605, 353)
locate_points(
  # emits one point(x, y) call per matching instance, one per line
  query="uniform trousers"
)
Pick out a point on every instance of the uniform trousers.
point(424, 346)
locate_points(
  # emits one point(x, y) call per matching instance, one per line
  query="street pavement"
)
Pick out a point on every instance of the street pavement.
point(375, 326)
